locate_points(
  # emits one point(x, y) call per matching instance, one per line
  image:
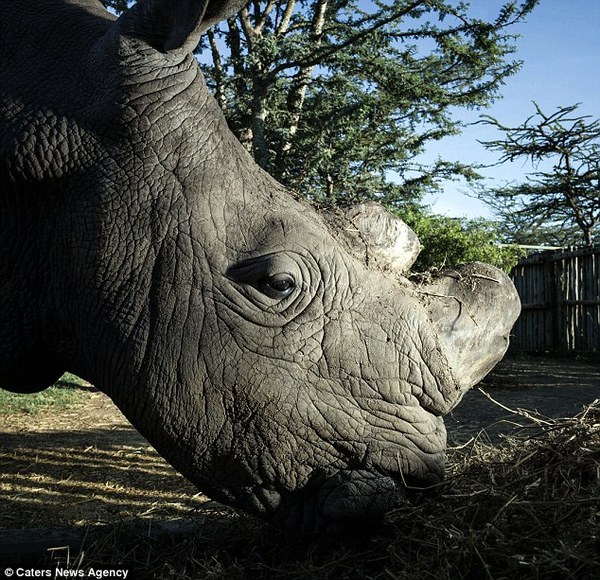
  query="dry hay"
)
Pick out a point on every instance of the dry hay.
point(528, 508)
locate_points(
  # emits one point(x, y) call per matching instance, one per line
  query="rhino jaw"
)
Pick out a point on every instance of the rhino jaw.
point(472, 309)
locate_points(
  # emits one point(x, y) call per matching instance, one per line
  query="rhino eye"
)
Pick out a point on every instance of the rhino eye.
point(274, 276)
point(278, 286)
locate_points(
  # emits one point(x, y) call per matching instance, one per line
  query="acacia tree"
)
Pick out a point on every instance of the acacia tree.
point(331, 96)
point(561, 200)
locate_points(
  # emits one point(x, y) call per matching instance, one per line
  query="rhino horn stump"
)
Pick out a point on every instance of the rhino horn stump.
point(387, 238)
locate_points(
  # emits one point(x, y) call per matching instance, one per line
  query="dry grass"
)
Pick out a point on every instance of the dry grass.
point(528, 508)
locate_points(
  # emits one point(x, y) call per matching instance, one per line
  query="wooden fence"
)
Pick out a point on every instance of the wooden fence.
point(560, 296)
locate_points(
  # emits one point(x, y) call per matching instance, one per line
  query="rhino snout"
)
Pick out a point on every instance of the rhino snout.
point(471, 308)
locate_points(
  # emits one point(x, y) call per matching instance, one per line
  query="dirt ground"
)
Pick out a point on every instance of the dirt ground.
point(87, 465)
point(549, 387)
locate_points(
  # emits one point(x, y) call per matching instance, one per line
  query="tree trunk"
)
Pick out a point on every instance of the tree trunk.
point(259, 117)
point(242, 129)
point(286, 18)
point(259, 82)
point(297, 94)
point(218, 66)
point(329, 189)
point(572, 199)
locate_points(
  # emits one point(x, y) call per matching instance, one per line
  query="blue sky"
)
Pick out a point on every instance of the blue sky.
point(560, 47)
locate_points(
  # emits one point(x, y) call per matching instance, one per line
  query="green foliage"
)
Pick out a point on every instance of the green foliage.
point(449, 241)
point(558, 204)
point(335, 97)
point(117, 5)
point(64, 393)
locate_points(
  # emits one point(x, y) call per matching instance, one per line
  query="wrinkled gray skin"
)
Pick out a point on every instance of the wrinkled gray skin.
point(143, 249)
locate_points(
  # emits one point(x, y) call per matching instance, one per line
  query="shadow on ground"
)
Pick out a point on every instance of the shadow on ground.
point(106, 473)
point(87, 477)
point(548, 387)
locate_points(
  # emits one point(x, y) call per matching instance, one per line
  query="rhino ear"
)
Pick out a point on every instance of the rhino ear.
point(170, 25)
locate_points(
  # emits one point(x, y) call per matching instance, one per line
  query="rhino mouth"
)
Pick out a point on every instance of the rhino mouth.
point(347, 501)
point(333, 505)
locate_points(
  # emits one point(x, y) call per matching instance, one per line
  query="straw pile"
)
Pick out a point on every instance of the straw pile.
point(526, 508)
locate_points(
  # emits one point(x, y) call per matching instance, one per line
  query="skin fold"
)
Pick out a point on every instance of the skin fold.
point(251, 340)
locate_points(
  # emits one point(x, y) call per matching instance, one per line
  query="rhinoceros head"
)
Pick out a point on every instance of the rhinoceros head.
point(276, 357)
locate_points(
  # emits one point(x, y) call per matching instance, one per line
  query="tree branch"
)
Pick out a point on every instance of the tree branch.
point(318, 58)
point(247, 27)
point(262, 20)
point(287, 16)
